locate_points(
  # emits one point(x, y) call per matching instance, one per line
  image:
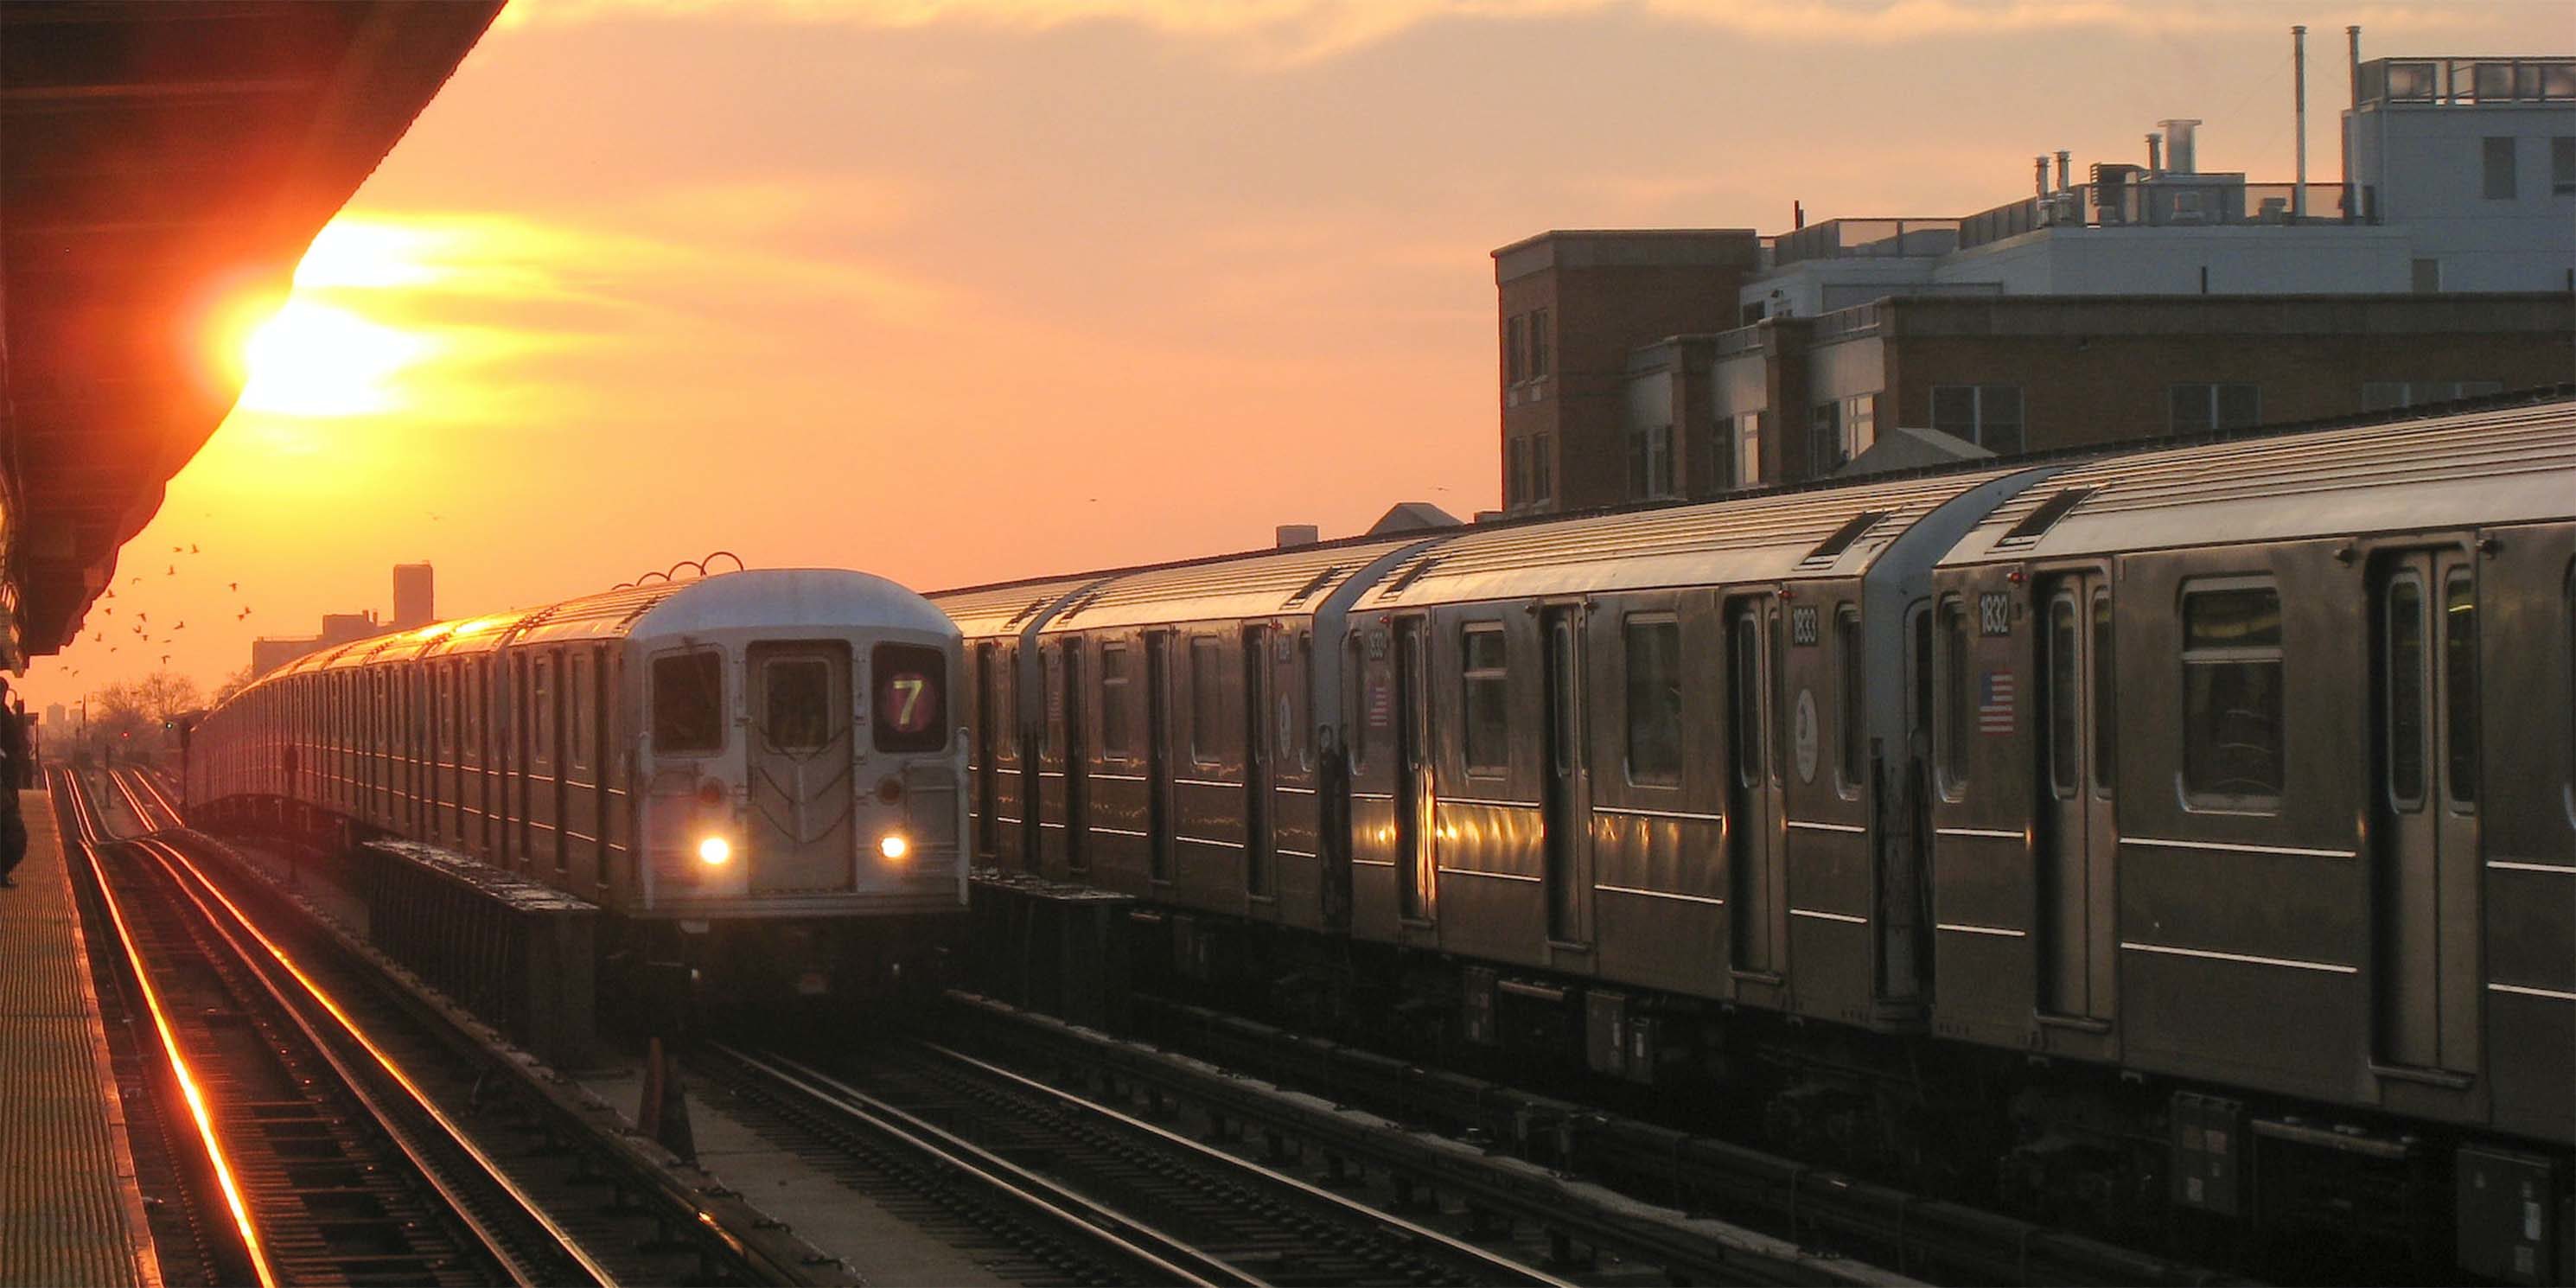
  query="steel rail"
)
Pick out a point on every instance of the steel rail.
point(1169, 1256)
point(67, 786)
point(492, 1243)
point(1498, 1269)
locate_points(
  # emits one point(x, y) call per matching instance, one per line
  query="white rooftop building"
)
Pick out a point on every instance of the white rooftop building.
point(2460, 177)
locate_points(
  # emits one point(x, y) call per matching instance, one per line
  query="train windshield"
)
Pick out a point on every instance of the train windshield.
point(910, 697)
point(688, 702)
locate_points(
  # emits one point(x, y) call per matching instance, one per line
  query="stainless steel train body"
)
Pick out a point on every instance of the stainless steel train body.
point(2240, 770)
point(760, 770)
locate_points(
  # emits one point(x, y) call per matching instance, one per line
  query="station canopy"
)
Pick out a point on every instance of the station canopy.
point(161, 163)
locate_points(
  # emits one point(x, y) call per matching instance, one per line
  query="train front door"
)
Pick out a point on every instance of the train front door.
point(801, 761)
point(2424, 791)
point(1565, 806)
point(1755, 877)
point(1416, 858)
point(2078, 840)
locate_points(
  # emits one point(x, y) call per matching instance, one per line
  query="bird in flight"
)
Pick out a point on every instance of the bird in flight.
point(232, 585)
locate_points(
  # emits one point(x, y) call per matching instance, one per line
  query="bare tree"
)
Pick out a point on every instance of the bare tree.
point(122, 712)
point(233, 684)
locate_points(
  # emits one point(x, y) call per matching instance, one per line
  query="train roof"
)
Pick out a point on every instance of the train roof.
point(1830, 532)
point(1293, 582)
point(1003, 610)
point(785, 597)
point(2503, 465)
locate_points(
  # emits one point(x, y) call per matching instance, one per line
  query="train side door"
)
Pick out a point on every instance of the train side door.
point(2424, 827)
point(2078, 840)
point(986, 775)
point(1260, 765)
point(1158, 753)
point(1416, 877)
point(1753, 828)
point(1564, 806)
point(1075, 752)
point(802, 798)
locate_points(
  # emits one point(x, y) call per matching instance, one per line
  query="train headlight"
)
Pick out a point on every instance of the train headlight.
point(894, 847)
point(715, 851)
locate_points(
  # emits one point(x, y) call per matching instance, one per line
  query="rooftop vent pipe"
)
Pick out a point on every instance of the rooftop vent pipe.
point(2155, 154)
point(2178, 150)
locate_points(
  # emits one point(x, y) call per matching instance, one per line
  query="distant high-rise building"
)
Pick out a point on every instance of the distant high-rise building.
point(415, 596)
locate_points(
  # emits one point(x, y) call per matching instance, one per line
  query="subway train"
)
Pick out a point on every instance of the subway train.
point(754, 773)
point(2191, 829)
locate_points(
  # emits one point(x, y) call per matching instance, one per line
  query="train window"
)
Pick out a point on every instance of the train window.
point(585, 711)
point(2232, 681)
point(1006, 705)
point(1951, 702)
point(909, 708)
point(1744, 696)
point(1855, 729)
point(1487, 698)
point(688, 702)
point(2105, 703)
point(1654, 662)
point(1116, 730)
point(2460, 683)
point(1051, 725)
point(543, 712)
point(2406, 690)
point(1305, 682)
point(1207, 702)
point(1357, 716)
point(797, 695)
point(2065, 699)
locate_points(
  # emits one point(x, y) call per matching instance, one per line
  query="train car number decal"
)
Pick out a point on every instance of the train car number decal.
point(1994, 613)
point(1804, 629)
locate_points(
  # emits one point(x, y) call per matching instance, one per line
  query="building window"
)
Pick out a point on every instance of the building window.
point(1650, 462)
point(2499, 168)
point(2210, 408)
point(2428, 276)
point(1542, 468)
point(1487, 697)
point(2562, 164)
point(1516, 483)
point(1748, 449)
point(1516, 349)
point(1825, 440)
point(2232, 680)
point(2391, 395)
point(1860, 424)
point(1538, 354)
point(1987, 415)
point(1654, 700)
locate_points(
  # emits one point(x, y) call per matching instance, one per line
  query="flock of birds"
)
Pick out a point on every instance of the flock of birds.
point(142, 621)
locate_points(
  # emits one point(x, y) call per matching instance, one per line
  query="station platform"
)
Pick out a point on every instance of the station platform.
point(70, 1212)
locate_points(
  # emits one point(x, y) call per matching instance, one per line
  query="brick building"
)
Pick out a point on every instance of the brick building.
point(1795, 398)
point(1573, 304)
point(2158, 298)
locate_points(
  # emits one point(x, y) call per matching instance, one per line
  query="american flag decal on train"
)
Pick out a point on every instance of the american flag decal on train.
point(1995, 706)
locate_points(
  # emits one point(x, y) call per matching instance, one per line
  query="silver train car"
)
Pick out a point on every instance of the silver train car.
point(757, 773)
point(2193, 829)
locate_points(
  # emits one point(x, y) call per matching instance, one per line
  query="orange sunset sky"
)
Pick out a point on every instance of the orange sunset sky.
point(964, 290)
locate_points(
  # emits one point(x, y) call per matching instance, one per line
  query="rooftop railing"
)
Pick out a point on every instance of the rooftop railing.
point(2468, 82)
point(2172, 201)
point(1865, 239)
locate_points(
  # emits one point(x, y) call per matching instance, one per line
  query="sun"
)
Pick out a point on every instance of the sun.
point(315, 359)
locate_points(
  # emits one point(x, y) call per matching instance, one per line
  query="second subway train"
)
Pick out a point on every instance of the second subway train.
point(2214, 807)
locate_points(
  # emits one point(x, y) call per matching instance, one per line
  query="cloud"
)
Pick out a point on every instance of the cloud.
point(1296, 31)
